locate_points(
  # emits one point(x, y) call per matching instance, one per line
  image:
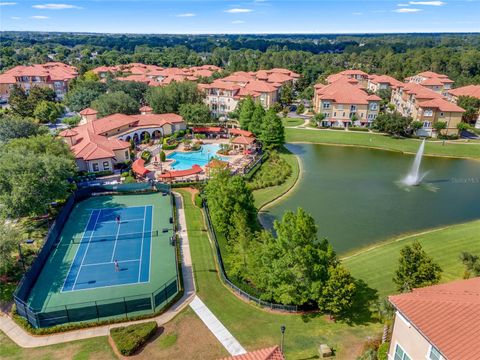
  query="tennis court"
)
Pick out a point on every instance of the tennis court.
point(114, 249)
point(79, 281)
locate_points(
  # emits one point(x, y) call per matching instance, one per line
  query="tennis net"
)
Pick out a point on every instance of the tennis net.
point(114, 237)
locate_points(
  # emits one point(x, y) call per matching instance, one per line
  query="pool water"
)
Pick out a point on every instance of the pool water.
point(185, 160)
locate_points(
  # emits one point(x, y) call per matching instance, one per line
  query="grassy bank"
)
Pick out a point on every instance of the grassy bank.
point(264, 196)
point(292, 121)
point(436, 148)
point(255, 328)
point(377, 265)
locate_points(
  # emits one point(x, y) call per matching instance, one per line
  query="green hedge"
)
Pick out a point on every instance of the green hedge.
point(274, 171)
point(358, 128)
point(130, 338)
point(146, 155)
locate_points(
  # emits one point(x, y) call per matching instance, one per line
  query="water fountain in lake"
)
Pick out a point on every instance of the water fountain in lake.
point(414, 177)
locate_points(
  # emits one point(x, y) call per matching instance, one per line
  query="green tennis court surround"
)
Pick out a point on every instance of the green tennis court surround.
point(108, 260)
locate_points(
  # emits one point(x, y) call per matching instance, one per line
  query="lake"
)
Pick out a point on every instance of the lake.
point(356, 197)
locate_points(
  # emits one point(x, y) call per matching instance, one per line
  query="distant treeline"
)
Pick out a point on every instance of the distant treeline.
point(314, 56)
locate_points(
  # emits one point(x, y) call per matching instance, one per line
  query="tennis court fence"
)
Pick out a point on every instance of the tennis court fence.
point(236, 289)
point(92, 310)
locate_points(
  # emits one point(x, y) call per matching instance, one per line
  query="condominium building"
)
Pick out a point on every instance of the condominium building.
point(360, 76)
point(344, 102)
point(436, 82)
point(427, 106)
point(469, 90)
point(265, 86)
point(382, 82)
point(440, 322)
point(54, 75)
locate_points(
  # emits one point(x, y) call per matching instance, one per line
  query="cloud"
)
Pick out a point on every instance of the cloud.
point(7, 3)
point(407, 10)
point(238, 22)
point(186, 15)
point(403, 5)
point(39, 17)
point(357, 13)
point(55, 6)
point(428, 3)
point(238, 11)
point(15, 17)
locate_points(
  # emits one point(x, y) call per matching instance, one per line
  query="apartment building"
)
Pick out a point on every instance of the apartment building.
point(153, 75)
point(376, 83)
point(469, 90)
point(427, 106)
point(99, 144)
point(223, 95)
point(360, 76)
point(344, 103)
point(440, 322)
point(54, 75)
point(431, 80)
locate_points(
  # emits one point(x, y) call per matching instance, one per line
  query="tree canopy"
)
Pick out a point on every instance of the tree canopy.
point(13, 127)
point(392, 123)
point(115, 102)
point(168, 99)
point(415, 268)
point(273, 132)
point(34, 172)
point(195, 113)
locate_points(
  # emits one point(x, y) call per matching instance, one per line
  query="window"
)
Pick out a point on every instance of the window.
point(373, 106)
point(400, 354)
point(106, 165)
point(326, 105)
point(327, 115)
point(353, 108)
point(427, 124)
point(442, 114)
point(95, 166)
point(434, 354)
point(428, 112)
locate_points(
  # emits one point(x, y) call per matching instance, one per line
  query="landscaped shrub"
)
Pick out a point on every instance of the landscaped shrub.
point(130, 338)
point(337, 128)
point(274, 171)
point(146, 155)
point(104, 173)
point(358, 128)
point(163, 157)
point(198, 200)
point(382, 353)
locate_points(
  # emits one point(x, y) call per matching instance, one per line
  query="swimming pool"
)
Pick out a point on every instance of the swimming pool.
point(185, 160)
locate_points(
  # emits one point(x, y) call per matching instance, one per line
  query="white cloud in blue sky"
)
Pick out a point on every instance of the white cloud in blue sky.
point(262, 16)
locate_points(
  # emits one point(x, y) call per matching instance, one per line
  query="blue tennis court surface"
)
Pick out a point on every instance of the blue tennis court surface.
point(105, 240)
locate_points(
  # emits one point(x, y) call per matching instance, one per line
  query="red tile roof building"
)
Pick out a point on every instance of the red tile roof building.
point(344, 102)
point(99, 144)
point(438, 322)
point(382, 82)
point(469, 90)
point(153, 75)
point(223, 95)
point(427, 106)
point(272, 353)
point(358, 75)
point(54, 75)
point(437, 82)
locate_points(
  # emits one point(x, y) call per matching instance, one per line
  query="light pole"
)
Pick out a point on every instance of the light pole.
point(282, 329)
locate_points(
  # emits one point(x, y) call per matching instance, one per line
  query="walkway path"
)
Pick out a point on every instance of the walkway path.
point(26, 340)
point(217, 328)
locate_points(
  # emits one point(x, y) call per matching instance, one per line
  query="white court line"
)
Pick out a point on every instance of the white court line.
point(116, 239)
point(122, 221)
point(111, 262)
point(88, 245)
point(141, 247)
point(76, 252)
point(151, 245)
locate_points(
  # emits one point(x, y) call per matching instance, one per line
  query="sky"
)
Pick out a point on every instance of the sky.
point(234, 17)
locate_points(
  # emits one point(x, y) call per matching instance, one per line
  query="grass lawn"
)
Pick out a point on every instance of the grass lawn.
point(382, 142)
point(377, 266)
point(256, 328)
point(288, 121)
point(184, 338)
point(264, 196)
point(97, 348)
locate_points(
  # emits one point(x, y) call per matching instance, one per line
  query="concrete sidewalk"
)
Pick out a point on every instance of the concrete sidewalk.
point(26, 340)
point(216, 327)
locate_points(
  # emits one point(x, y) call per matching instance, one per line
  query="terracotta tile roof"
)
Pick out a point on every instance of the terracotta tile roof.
point(240, 132)
point(260, 86)
point(115, 121)
point(353, 72)
point(51, 71)
point(432, 82)
point(214, 129)
point(138, 167)
point(242, 140)
point(431, 74)
point(385, 79)
point(196, 169)
point(469, 90)
point(68, 133)
point(343, 92)
point(88, 111)
point(271, 353)
point(146, 108)
point(441, 104)
point(448, 315)
point(420, 92)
